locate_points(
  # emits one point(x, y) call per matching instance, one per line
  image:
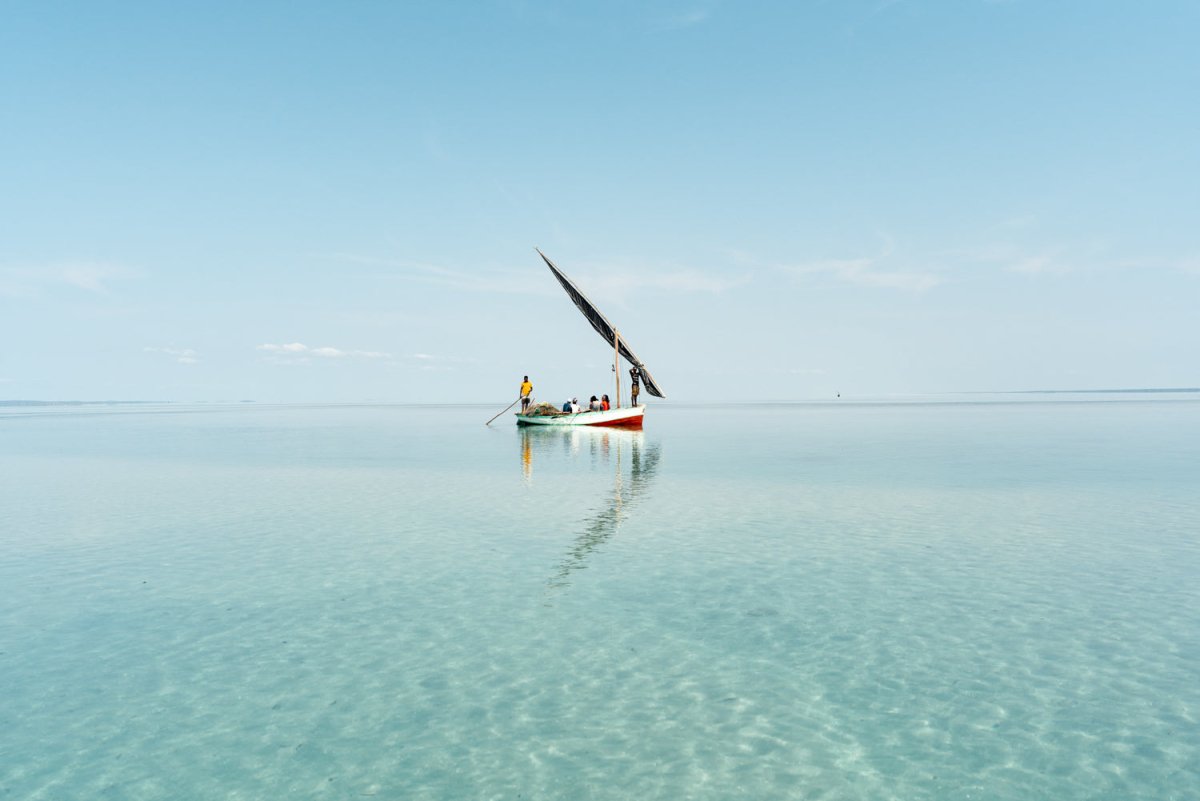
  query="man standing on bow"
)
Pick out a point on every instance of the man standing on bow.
point(635, 378)
point(526, 391)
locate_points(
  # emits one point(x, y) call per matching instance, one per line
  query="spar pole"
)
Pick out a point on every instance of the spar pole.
point(617, 363)
point(506, 408)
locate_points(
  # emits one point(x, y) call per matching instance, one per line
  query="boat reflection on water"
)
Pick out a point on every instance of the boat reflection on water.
point(634, 463)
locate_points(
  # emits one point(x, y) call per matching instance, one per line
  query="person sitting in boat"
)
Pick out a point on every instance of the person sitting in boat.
point(604, 403)
point(594, 405)
point(526, 392)
point(571, 406)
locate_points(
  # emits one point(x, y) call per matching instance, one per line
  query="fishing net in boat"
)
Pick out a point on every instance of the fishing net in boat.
point(543, 410)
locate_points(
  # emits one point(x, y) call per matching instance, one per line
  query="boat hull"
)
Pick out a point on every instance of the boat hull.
point(615, 418)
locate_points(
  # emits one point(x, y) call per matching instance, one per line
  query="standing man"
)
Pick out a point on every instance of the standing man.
point(635, 378)
point(526, 389)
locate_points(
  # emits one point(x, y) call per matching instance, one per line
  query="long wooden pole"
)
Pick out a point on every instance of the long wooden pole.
point(617, 363)
point(506, 408)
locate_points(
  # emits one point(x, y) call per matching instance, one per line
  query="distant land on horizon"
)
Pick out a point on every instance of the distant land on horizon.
point(1148, 390)
point(1125, 391)
point(102, 402)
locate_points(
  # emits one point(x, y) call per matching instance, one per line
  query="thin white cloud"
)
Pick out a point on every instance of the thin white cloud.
point(1076, 259)
point(299, 353)
point(87, 277)
point(1191, 264)
point(437, 363)
point(617, 283)
point(359, 316)
point(28, 281)
point(1039, 264)
point(884, 5)
point(181, 355)
point(1014, 259)
point(90, 276)
point(868, 271)
point(12, 286)
point(1018, 222)
point(688, 19)
point(520, 282)
point(882, 271)
point(597, 280)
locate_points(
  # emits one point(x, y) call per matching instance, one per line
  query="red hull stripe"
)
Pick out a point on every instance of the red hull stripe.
point(632, 422)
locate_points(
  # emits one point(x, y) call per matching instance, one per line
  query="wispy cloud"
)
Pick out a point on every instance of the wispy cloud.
point(518, 282)
point(1075, 259)
point(1190, 264)
point(884, 5)
point(868, 271)
point(617, 283)
point(91, 277)
point(1015, 259)
point(181, 355)
point(26, 281)
point(1039, 264)
point(1017, 222)
point(611, 281)
point(294, 347)
point(865, 272)
point(687, 19)
point(435, 363)
point(299, 353)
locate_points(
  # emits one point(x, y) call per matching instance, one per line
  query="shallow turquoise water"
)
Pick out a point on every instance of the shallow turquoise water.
point(860, 601)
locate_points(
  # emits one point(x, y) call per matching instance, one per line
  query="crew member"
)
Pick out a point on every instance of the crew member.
point(526, 389)
point(635, 378)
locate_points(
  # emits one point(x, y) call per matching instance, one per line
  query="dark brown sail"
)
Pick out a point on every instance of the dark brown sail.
point(603, 327)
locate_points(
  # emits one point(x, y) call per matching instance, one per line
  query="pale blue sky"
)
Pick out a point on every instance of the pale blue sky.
point(771, 200)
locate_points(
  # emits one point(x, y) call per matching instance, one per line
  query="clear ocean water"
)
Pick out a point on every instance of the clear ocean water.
point(977, 599)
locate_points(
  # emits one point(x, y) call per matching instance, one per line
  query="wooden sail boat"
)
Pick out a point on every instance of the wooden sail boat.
point(629, 417)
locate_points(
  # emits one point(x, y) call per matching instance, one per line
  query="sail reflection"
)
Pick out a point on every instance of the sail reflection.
point(634, 465)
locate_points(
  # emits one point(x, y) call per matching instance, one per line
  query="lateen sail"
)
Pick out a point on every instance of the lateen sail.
point(602, 325)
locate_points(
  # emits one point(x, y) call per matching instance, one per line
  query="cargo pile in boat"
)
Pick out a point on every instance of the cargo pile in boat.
point(543, 410)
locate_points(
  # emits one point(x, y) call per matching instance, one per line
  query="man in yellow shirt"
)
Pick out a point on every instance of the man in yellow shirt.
point(526, 390)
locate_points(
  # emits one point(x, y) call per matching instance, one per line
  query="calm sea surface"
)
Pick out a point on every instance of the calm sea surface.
point(984, 600)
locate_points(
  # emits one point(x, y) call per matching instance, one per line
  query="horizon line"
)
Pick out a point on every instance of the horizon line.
point(1112, 391)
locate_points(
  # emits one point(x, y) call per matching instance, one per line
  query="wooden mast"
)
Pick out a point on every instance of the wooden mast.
point(617, 363)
